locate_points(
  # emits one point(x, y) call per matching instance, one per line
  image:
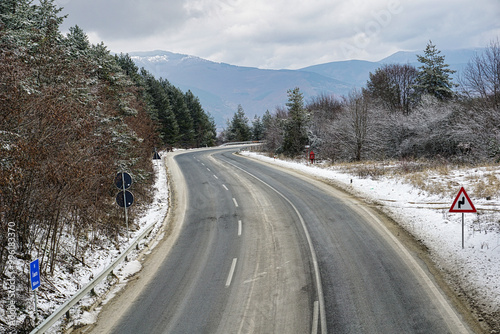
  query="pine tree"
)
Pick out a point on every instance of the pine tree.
point(129, 67)
point(182, 115)
point(77, 42)
point(434, 75)
point(160, 109)
point(295, 135)
point(204, 133)
point(257, 128)
point(238, 128)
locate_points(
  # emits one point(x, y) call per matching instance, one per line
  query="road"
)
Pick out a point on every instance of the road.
point(262, 250)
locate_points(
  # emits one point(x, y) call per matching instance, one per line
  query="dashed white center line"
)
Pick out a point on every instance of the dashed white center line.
point(225, 187)
point(216, 177)
point(239, 227)
point(208, 169)
point(235, 203)
point(231, 272)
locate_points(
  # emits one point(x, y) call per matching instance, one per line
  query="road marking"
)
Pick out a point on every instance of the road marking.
point(208, 169)
point(216, 177)
point(444, 307)
point(319, 288)
point(231, 272)
point(235, 203)
point(314, 329)
point(239, 227)
point(203, 164)
point(225, 187)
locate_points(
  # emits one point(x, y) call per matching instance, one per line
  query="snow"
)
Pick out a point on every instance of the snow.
point(68, 284)
point(421, 205)
point(130, 269)
point(153, 59)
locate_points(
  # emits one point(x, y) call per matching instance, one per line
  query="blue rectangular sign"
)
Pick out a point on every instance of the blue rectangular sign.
point(34, 274)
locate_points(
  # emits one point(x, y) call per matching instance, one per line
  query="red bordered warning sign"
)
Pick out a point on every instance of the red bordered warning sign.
point(462, 203)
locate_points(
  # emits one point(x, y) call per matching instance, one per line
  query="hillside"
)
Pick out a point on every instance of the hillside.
point(221, 87)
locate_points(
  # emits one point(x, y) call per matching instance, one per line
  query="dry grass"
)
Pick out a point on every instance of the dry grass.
point(487, 185)
point(433, 177)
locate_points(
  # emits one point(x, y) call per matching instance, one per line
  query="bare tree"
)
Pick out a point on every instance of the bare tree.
point(350, 133)
point(393, 86)
point(481, 77)
point(324, 110)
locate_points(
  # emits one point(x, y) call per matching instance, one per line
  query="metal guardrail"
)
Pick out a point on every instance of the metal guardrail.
point(242, 143)
point(50, 320)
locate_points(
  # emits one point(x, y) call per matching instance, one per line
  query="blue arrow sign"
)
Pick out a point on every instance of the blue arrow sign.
point(34, 274)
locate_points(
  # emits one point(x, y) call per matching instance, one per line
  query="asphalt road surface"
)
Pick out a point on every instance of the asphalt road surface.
point(262, 250)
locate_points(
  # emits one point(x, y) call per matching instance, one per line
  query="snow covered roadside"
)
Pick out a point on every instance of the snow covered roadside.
point(86, 311)
point(426, 216)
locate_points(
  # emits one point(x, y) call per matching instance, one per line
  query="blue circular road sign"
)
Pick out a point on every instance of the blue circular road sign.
point(120, 177)
point(129, 199)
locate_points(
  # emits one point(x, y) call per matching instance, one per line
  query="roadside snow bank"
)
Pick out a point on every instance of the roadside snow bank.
point(98, 260)
point(427, 217)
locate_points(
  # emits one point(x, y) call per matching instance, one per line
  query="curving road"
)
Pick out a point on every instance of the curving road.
point(262, 250)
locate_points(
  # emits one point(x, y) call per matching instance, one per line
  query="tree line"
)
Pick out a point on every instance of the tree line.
point(180, 117)
point(72, 115)
point(403, 112)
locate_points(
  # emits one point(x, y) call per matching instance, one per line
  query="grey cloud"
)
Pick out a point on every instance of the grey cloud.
point(286, 33)
point(122, 19)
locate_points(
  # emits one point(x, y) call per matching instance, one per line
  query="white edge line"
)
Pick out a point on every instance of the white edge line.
point(231, 272)
point(319, 288)
point(447, 311)
point(314, 329)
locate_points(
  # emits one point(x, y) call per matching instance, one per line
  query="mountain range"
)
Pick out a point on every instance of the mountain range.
point(222, 87)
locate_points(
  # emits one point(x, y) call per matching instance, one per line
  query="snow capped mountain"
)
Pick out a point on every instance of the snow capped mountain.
point(222, 87)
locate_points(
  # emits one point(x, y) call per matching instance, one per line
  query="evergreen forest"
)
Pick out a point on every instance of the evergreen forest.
point(73, 115)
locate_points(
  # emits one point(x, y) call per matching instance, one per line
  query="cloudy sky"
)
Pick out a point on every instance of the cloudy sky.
point(280, 34)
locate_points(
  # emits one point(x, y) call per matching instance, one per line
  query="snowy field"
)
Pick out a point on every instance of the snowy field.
point(420, 201)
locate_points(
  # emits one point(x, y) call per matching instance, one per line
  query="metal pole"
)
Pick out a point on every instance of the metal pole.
point(36, 309)
point(125, 203)
point(463, 214)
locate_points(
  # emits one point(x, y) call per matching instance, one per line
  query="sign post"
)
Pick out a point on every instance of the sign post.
point(156, 155)
point(463, 204)
point(35, 281)
point(124, 198)
point(312, 156)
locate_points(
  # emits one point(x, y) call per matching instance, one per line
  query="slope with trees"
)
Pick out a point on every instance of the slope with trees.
point(72, 115)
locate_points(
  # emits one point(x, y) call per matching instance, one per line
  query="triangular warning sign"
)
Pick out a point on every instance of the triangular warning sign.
point(462, 203)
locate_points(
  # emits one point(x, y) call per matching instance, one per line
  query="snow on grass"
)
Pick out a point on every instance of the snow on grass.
point(419, 200)
point(101, 257)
